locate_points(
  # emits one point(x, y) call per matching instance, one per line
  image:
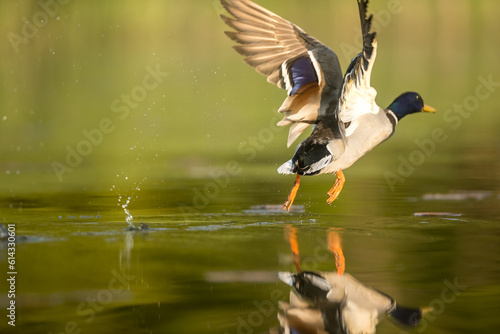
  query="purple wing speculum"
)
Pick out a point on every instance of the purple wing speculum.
point(302, 73)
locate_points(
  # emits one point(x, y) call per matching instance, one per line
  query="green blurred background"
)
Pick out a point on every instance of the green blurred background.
point(77, 73)
point(61, 79)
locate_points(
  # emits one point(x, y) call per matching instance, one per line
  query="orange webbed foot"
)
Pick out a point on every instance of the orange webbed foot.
point(337, 188)
point(293, 193)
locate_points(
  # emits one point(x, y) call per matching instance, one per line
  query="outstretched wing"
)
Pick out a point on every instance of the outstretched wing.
point(290, 58)
point(358, 97)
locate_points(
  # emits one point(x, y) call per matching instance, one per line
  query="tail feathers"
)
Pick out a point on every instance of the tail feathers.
point(308, 160)
point(287, 168)
point(286, 277)
point(311, 157)
point(316, 167)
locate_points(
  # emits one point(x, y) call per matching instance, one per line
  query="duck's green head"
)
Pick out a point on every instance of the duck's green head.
point(409, 103)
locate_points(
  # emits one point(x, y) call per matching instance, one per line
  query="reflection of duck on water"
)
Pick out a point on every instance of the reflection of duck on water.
point(335, 302)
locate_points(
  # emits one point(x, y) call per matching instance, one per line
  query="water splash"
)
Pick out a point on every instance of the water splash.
point(129, 218)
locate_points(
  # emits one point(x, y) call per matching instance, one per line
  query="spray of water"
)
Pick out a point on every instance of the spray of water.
point(128, 217)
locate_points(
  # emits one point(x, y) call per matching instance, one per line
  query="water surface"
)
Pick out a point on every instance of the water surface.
point(212, 269)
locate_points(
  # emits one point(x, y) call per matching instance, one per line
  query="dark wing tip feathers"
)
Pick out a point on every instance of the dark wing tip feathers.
point(366, 21)
point(368, 38)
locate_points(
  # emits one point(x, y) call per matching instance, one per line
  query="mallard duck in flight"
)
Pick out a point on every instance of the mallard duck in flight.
point(347, 121)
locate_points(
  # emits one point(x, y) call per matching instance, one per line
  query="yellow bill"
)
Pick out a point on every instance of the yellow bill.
point(427, 108)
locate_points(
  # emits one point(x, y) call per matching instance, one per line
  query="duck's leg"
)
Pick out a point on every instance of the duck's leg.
point(335, 246)
point(292, 194)
point(337, 188)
